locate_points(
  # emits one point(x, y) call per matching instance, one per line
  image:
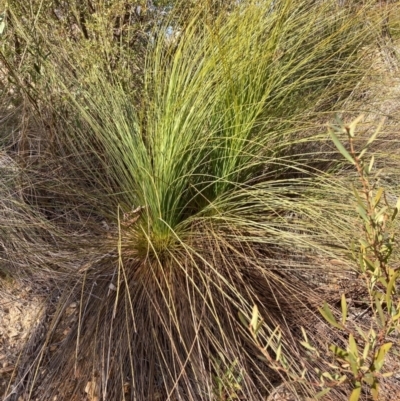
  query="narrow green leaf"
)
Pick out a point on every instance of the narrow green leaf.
point(259, 325)
point(375, 390)
point(380, 312)
point(341, 148)
point(367, 226)
point(344, 309)
point(375, 134)
point(369, 379)
point(325, 391)
point(396, 209)
point(327, 314)
point(254, 318)
point(355, 394)
point(307, 345)
point(339, 352)
point(327, 375)
point(332, 366)
point(371, 164)
point(357, 195)
point(278, 352)
point(304, 334)
point(353, 364)
point(361, 333)
point(275, 333)
point(369, 263)
point(372, 334)
point(378, 196)
point(383, 281)
point(283, 361)
point(262, 358)
point(339, 122)
point(361, 263)
point(352, 126)
point(380, 356)
point(389, 290)
point(380, 213)
point(243, 319)
point(362, 153)
point(353, 346)
point(362, 212)
point(366, 350)
point(396, 317)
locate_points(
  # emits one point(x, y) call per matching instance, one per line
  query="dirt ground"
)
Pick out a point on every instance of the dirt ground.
point(20, 312)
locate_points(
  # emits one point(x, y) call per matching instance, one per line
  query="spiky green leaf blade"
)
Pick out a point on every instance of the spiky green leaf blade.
point(366, 350)
point(338, 352)
point(352, 126)
point(389, 289)
point(254, 318)
point(375, 390)
point(396, 209)
point(353, 346)
point(371, 164)
point(327, 314)
point(378, 196)
point(355, 394)
point(322, 393)
point(344, 309)
point(382, 319)
point(341, 148)
point(380, 356)
point(375, 134)
point(243, 319)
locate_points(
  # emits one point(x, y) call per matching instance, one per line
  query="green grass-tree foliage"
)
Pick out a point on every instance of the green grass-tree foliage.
point(164, 214)
point(362, 361)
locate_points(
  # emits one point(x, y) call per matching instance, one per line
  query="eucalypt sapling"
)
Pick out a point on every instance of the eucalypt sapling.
point(363, 360)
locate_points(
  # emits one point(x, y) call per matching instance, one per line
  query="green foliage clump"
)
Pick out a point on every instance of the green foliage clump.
point(167, 207)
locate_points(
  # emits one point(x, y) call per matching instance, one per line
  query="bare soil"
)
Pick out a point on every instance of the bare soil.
point(20, 312)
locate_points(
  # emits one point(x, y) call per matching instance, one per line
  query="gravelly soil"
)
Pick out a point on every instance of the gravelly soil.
point(20, 312)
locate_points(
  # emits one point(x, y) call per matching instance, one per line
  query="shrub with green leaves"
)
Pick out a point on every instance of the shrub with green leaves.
point(166, 211)
point(361, 363)
point(364, 358)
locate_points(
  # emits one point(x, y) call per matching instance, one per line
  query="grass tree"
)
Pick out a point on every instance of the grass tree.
point(167, 209)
